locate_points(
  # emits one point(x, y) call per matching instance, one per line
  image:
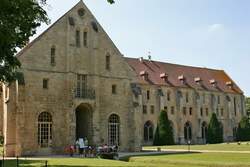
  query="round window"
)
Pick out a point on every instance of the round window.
point(81, 12)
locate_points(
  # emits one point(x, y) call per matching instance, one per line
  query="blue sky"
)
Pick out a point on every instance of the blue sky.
point(205, 33)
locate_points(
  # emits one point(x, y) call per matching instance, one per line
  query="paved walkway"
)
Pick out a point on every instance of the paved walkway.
point(201, 151)
point(150, 152)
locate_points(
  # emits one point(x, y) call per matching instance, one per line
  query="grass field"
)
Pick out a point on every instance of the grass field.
point(177, 160)
point(173, 160)
point(219, 147)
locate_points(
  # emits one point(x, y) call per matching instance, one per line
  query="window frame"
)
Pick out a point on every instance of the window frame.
point(45, 83)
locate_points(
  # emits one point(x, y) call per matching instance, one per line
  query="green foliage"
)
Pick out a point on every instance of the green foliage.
point(243, 133)
point(215, 131)
point(18, 21)
point(248, 105)
point(111, 1)
point(164, 132)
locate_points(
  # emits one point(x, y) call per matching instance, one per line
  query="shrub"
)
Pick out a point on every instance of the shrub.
point(243, 133)
point(215, 130)
point(164, 133)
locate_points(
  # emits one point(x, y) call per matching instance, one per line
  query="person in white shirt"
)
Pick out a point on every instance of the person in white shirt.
point(81, 146)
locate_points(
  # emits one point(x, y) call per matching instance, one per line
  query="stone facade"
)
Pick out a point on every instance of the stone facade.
point(75, 74)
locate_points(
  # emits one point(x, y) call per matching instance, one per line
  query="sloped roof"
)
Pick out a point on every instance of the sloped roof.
point(173, 71)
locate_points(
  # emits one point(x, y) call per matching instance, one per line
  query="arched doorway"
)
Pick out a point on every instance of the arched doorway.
point(84, 126)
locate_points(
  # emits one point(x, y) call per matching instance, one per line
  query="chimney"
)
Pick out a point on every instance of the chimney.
point(164, 77)
point(230, 84)
point(182, 79)
point(144, 75)
point(213, 82)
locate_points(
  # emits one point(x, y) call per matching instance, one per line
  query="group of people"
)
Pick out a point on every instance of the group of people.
point(85, 150)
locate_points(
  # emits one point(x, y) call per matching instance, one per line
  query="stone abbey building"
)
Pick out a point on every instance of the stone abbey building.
point(74, 83)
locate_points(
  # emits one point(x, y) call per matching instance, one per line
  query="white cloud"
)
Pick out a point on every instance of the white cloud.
point(215, 27)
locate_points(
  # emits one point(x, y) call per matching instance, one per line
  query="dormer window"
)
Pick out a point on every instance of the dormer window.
point(197, 80)
point(164, 77)
point(144, 75)
point(229, 84)
point(182, 79)
point(213, 82)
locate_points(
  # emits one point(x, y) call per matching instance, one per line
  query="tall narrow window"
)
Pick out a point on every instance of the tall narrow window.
point(168, 96)
point(114, 89)
point(201, 111)
point(85, 38)
point(45, 83)
point(187, 97)
point(114, 130)
point(148, 131)
point(108, 62)
point(204, 132)
point(172, 110)
point(81, 87)
point(44, 130)
point(218, 99)
point(52, 56)
point(144, 109)
point(206, 111)
point(235, 108)
point(148, 94)
point(190, 111)
point(152, 109)
point(188, 131)
point(77, 38)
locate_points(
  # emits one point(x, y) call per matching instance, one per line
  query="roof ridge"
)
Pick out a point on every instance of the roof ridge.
point(190, 66)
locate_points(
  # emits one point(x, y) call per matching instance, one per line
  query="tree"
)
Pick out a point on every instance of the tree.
point(111, 1)
point(243, 133)
point(248, 106)
point(18, 21)
point(215, 130)
point(164, 133)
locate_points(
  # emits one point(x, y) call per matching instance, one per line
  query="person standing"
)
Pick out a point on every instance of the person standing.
point(81, 146)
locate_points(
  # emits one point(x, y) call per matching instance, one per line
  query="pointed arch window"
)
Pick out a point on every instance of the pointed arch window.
point(204, 131)
point(148, 131)
point(188, 131)
point(114, 130)
point(44, 130)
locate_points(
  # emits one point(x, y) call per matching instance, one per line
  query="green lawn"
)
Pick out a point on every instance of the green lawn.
point(220, 147)
point(177, 160)
point(72, 162)
point(197, 160)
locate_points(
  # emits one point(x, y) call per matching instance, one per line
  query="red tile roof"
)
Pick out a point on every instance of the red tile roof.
point(183, 76)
